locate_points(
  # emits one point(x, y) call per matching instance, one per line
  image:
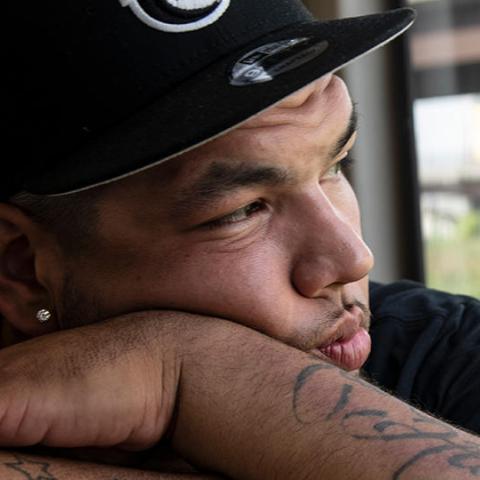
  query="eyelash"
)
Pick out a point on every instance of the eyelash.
point(344, 164)
point(245, 213)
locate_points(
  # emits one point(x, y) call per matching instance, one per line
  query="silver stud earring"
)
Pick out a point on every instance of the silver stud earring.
point(43, 315)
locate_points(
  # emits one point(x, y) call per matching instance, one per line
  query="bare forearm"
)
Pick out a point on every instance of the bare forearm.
point(17, 465)
point(264, 410)
point(247, 406)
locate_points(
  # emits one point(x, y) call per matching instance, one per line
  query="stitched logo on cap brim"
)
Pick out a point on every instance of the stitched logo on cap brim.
point(268, 61)
point(170, 15)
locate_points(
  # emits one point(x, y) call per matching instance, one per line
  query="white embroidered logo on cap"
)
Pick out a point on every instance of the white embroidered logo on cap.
point(191, 14)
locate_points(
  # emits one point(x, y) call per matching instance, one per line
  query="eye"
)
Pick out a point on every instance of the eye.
point(238, 216)
point(341, 166)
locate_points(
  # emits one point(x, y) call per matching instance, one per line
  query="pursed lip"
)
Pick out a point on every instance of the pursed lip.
point(348, 325)
point(349, 346)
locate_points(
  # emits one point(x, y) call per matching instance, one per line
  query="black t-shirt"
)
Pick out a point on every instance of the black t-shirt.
point(426, 349)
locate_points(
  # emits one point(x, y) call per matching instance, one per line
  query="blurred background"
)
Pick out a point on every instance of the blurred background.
point(417, 170)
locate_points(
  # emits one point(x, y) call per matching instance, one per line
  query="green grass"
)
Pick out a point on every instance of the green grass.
point(454, 265)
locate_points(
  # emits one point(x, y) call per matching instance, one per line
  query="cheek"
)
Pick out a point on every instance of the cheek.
point(230, 280)
point(249, 285)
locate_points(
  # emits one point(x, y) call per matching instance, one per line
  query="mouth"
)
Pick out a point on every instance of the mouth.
point(351, 347)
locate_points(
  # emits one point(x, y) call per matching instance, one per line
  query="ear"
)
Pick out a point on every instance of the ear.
point(24, 249)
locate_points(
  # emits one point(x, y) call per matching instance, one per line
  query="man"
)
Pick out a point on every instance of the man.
point(219, 213)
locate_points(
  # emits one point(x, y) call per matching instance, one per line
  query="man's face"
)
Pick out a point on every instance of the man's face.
point(258, 227)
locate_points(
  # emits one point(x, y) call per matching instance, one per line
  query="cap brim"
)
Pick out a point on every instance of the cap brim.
point(207, 105)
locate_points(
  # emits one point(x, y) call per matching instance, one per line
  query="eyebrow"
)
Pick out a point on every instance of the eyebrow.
point(222, 178)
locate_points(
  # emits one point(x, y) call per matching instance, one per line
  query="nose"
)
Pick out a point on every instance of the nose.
point(329, 247)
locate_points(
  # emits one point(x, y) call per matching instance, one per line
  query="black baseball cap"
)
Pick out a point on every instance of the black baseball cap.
point(95, 90)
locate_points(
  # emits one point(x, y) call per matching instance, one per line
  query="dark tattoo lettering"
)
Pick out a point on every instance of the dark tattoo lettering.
point(302, 379)
point(377, 426)
point(31, 470)
point(422, 454)
point(343, 400)
point(366, 413)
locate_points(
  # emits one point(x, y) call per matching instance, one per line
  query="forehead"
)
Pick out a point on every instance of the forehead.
point(298, 130)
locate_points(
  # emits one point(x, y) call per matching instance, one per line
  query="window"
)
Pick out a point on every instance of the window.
point(445, 58)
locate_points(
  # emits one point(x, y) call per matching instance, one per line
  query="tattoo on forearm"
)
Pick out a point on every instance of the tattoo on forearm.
point(30, 469)
point(342, 402)
point(378, 426)
point(302, 379)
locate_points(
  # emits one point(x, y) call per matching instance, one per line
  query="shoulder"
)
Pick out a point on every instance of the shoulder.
point(414, 300)
point(410, 310)
point(426, 348)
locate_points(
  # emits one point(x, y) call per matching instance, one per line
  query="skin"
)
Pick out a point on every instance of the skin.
point(305, 282)
point(246, 405)
point(15, 465)
point(293, 268)
point(289, 267)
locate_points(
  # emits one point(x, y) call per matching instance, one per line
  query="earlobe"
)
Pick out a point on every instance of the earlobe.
point(21, 293)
